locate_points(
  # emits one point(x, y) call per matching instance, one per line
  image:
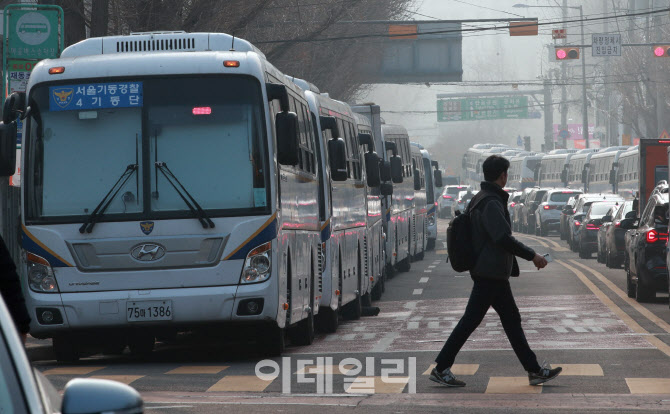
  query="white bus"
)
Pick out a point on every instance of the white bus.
point(474, 158)
point(433, 177)
point(578, 168)
point(523, 170)
point(420, 208)
point(603, 170)
point(173, 186)
point(628, 181)
point(398, 246)
point(553, 168)
point(342, 209)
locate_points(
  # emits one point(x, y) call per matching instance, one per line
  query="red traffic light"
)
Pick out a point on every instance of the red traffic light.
point(662, 51)
point(565, 53)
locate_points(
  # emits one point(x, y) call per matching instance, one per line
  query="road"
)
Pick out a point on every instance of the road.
point(615, 353)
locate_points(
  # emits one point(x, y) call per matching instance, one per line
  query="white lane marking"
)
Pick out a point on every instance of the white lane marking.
point(427, 271)
point(413, 325)
point(432, 267)
point(424, 280)
point(162, 407)
point(385, 342)
point(437, 262)
point(417, 291)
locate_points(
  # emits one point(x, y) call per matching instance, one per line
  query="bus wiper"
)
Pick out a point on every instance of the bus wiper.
point(195, 208)
point(107, 200)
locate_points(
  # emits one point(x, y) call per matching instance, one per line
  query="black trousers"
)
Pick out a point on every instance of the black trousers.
point(487, 293)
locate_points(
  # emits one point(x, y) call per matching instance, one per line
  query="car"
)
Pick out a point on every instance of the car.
point(548, 213)
point(587, 235)
point(447, 198)
point(615, 238)
point(511, 202)
point(24, 389)
point(462, 202)
point(606, 223)
point(645, 257)
point(518, 208)
point(581, 208)
point(567, 211)
point(529, 208)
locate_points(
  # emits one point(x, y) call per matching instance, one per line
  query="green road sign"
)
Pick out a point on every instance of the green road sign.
point(482, 109)
point(33, 32)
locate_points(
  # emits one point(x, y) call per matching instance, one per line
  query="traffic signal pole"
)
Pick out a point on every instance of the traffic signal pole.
point(585, 106)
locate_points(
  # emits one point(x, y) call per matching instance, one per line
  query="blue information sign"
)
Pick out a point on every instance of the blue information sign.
point(95, 96)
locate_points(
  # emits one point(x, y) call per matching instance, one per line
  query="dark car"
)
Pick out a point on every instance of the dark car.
point(581, 208)
point(587, 237)
point(518, 208)
point(606, 223)
point(566, 212)
point(529, 208)
point(615, 243)
point(645, 259)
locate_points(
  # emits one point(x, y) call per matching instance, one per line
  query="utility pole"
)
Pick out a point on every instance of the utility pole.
point(585, 104)
point(627, 110)
point(564, 76)
point(548, 117)
point(611, 139)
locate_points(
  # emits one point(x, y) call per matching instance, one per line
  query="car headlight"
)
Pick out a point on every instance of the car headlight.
point(258, 264)
point(40, 274)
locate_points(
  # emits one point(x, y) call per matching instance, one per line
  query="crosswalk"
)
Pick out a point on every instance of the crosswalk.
point(213, 378)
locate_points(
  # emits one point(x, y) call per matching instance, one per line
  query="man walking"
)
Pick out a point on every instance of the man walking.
point(496, 262)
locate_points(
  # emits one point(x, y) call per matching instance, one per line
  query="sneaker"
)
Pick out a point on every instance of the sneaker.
point(445, 378)
point(543, 375)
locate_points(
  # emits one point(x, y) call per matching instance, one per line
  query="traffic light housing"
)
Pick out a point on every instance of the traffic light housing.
point(661, 51)
point(567, 53)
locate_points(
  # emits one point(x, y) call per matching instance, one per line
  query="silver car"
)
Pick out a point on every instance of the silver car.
point(548, 213)
point(23, 389)
point(447, 199)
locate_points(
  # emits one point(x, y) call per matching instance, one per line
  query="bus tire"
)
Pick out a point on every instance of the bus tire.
point(327, 320)
point(65, 349)
point(376, 292)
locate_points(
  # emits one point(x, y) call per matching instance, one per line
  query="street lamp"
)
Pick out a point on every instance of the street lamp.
point(585, 115)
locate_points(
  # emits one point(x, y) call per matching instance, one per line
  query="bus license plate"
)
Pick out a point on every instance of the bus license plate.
point(149, 310)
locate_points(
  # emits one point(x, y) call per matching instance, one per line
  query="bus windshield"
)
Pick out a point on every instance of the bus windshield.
point(209, 132)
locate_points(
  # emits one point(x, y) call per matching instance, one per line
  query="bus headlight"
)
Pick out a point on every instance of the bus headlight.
point(40, 274)
point(258, 264)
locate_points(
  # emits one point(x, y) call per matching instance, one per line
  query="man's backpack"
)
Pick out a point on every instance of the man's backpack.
point(460, 249)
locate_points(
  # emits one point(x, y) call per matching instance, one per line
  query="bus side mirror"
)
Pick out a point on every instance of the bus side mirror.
point(396, 169)
point(366, 139)
point(417, 180)
point(13, 107)
point(385, 171)
point(564, 176)
point(337, 156)
point(612, 177)
point(437, 177)
point(584, 176)
point(372, 169)
point(386, 189)
point(7, 149)
point(330, 123)
point(287, 138)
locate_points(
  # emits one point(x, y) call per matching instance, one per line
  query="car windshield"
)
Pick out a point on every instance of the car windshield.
point(454, 190)
point(209, 132)
point(561, 197)
point(626, 208)
point(598, 210)
point(539, 195)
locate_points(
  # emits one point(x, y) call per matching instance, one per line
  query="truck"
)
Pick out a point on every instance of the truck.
point(653, 167)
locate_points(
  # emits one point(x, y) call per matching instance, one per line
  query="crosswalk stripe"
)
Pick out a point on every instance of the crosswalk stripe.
point(125, 379)
point(72, 370)
point(417, 291)
point(586, 370)
point(377, 385)
point(648, 385)
point(423, 280)
point(511, 385)
point(240, 383)
point(198, 369)
point(457, 369)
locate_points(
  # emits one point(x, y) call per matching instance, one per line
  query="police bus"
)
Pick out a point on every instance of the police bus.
point(578, 170)
point(418, 238)
point(628, 181)
point(604, 170)
point(523, 170)
point(173, 186)
point(553, 168)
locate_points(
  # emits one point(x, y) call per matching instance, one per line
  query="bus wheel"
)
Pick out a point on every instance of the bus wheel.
point(404, 265)
point(376, 293)
point(141, 343)
point(65, 349)
point(273, 341)
point(327, 320)
point(366, 300)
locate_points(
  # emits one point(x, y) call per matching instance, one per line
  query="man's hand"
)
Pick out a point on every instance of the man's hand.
point(539, 261)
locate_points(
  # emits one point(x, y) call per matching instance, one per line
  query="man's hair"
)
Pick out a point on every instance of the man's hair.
point(494, 166)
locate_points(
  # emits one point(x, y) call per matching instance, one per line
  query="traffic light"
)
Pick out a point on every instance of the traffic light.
point(662, 51)
point(566, 53)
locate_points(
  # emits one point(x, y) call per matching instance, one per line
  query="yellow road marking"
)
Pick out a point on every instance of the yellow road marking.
point(632, 302)
point(555, 246)
point(648, 385)
point(195, 369)
point(542, 243)
point(511, 385)
point(628, 320)
point(584, 370)
point(457, 369)
point(441, 252)
point(125, 379)
point(72, 370)
point(325, 369)
point(377, 385)
point(240, 383)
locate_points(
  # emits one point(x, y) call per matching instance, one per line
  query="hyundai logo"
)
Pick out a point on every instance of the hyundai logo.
point(148, 252)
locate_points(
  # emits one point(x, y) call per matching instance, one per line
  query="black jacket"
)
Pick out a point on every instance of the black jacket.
point(10, 287)
point(492, 236)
